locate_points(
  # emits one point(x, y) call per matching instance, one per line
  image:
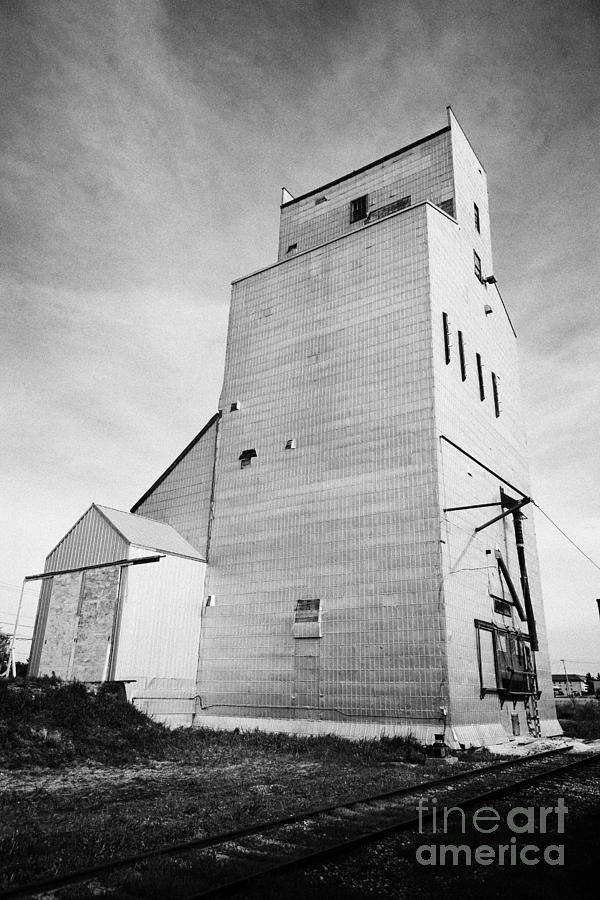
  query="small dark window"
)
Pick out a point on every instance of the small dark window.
point(291, 444)
point(496, 397)
point(446, 337)
point(447, 206)
point(320, 200)
point(477, 265)
point(307, 611)
point(477, 221)
point(235, 406)
point(461, 353)
point(502, 607)
point(358, 208)
point(480, 376)
point(292, 247)
point(246, 457)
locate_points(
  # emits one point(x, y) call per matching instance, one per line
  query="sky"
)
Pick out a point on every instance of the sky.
point(144, 145)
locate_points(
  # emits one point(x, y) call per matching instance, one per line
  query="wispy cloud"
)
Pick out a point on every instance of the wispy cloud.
point(143, 148)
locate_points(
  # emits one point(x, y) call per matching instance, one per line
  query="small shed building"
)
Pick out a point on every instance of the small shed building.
point(121, 600)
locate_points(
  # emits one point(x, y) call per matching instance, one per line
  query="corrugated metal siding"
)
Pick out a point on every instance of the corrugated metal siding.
point(40, 627)
point(183, 497)
point(160, 621)
point(92, 540)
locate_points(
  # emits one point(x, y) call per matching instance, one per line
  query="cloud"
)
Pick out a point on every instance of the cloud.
point(144, 147)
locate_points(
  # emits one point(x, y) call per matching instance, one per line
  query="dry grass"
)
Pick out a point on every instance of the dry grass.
point(85, 777)
point(580, 719)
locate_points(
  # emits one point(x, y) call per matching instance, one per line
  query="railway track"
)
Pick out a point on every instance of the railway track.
point(234, 860)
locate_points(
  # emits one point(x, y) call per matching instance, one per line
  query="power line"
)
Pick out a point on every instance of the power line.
point(11, 613)
point(570, 540)
point(11, 584)
point(595, 661)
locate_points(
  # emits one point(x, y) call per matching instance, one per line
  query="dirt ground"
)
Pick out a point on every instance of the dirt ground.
point(57, 820)
point(53, 821)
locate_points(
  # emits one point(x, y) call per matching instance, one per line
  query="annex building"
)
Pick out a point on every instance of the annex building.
point(355, 555)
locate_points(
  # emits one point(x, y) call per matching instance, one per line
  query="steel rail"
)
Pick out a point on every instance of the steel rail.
point(229, 836)
point(378, 834)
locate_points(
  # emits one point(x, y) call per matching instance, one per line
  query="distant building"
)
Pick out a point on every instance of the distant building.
point(569, 685)
point(369, 429)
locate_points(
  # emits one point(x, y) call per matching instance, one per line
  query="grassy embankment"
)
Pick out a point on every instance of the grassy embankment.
point(53, 724)
point(85, 777)
point(579, 719)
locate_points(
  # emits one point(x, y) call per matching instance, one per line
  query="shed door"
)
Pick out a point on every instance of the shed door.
point(96, 615)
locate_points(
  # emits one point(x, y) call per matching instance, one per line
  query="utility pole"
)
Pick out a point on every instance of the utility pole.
point(568, 683)
point(11, 662)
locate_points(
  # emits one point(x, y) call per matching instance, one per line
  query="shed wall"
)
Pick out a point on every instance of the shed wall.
point(159, 634)
point(91, 541)
point(77, 640)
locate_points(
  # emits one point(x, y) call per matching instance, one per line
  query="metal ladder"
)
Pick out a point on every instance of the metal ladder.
point(532, 713)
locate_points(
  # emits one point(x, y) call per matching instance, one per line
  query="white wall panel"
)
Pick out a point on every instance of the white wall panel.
point(160, 620)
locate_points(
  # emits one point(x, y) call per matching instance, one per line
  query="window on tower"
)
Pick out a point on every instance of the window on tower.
point(307, 619)
point(480, 376)
point(307, 611)
point(496, 395)
point(505, 663)
point(358, 208)
point(477, 265)
point(446, 337)
point(461, 353)
point(246, 457)
point(477, 220)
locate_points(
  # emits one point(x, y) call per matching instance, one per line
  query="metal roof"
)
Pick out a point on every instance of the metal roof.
point(148, 533)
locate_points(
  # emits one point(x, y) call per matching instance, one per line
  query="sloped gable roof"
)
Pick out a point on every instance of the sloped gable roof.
point(148, 533)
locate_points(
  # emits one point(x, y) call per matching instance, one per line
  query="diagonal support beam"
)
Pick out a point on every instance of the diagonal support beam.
point(509, 584)
point(519, 540)
point(471, 506)
point(503, 515)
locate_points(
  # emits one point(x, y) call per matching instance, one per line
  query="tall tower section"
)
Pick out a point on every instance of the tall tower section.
point(370, 424)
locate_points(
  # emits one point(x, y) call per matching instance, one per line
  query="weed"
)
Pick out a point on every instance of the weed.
point(46, 722)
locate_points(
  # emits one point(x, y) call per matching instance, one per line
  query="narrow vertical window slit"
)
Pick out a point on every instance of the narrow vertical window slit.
point(461, 353)
point(480, 376)
point(496, 397)
point(446, 337)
